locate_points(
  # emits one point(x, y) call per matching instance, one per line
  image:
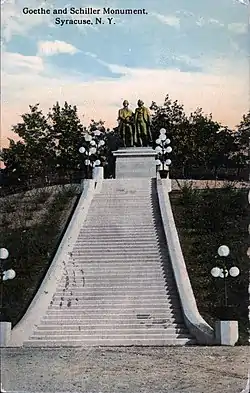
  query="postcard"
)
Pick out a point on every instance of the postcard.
point(124, 196)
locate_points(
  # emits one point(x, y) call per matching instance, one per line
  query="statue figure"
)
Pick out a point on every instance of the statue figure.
point(142, 135)
point(125, 125)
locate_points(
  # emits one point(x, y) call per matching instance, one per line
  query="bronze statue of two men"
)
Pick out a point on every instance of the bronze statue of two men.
point(134, 128)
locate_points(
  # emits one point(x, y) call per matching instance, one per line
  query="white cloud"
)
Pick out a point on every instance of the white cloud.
point(238, 28)
point(18, 63)
point(215, 22)
point(201, 21)
point(15, 22)
point(50, 48)
point(170, 20)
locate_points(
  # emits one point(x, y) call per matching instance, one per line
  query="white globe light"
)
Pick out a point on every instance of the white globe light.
point(167, 141)
point(97, 162)
point(158, 149)
point(88, 138)
point(223, 273)
point(4, 253)
point(92, 143)
point(157, 162)
point(163, 137)
point(82, 149)
point(223, 251)
point(168, 162)
point(216, 271)
point(87, 162)
point(92, 150)
point(158, 141)
point(163, 131)
point(169, 149)
point(101, 143)
point(10, 274)
point(234, 271)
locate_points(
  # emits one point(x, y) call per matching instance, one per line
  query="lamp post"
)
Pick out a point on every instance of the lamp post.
point(4, 276)
point(224, 272)
point(91, 150)
point(226, 328)
point(162, 149)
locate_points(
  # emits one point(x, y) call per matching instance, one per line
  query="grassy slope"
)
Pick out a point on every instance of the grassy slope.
point(206, 219)
point(31, 225)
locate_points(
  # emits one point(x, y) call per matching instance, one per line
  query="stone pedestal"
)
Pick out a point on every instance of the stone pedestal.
point(135, 162)
point(5, 333)
point(226, 332)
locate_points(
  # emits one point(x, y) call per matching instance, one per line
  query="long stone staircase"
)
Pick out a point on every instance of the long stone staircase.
point(118, 287)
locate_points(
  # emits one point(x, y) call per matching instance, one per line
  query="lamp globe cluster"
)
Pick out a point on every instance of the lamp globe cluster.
point(162, 150)
point(5, 274)
point(92, 148)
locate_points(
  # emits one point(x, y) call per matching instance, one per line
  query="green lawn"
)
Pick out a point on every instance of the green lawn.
point(206, 219)
point(31, 226)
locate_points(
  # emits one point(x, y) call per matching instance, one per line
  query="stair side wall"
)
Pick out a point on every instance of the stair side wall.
point(41, 301)
point(196, 325)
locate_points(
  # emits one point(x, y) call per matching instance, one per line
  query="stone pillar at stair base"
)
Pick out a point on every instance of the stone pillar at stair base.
point(134, 162)
point(226, 332)
point(5, 333)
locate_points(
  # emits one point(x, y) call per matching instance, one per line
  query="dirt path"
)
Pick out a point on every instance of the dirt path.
point(125, 370)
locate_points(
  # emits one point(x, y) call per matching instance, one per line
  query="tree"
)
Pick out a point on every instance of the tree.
point(240, 156)
point(197, 140)
point(47, 144)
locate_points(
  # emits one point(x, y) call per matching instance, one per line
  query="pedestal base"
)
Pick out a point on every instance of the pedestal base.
point(135, 162)
point(226, 332)
point(5, 333)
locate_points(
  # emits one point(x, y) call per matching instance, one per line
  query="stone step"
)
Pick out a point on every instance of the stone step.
point(107, 307)
point(96, 293)
point(141, 266)
point(128, 288)
point(124, 325)
point(123, 247)
point(109, 342)
point(91, 320)
point(111, 309)
point(122, 220)
point(91, 282)
point(104, 239)
point(116, 297)
point(111, 312)
point(124, 304)
point(80, 256)
point(88, 271)
point(98, 268)
point(78, 249)
point(108, 287)
point(155, 277)
point(88, 291)
point(117, 234)
point(115, 279)
point(78, 265)
point(110, 335)
point(126, 329)
point(129, 227)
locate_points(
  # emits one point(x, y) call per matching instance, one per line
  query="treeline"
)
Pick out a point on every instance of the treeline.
point(49, 144)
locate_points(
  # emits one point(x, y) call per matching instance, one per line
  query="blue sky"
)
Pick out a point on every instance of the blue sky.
point(197, 51)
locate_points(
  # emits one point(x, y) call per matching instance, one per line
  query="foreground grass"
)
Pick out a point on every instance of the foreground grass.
point(206, 219)
point(31, 226)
